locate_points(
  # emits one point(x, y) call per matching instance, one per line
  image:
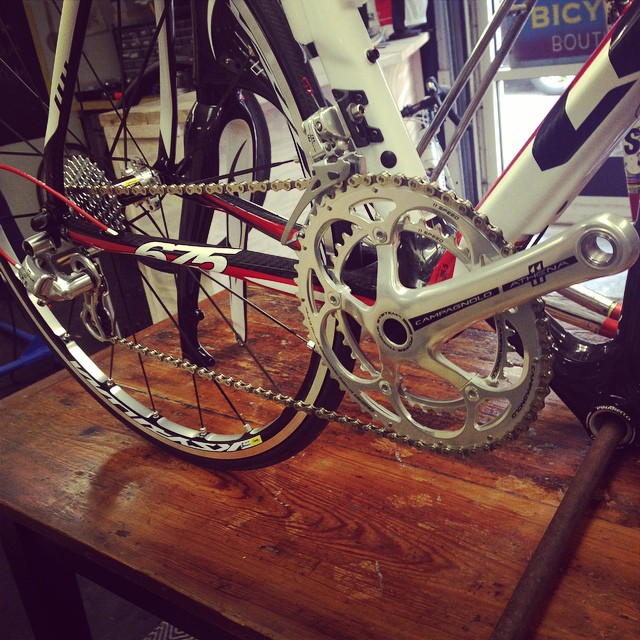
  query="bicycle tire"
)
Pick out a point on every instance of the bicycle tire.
point(217, 434)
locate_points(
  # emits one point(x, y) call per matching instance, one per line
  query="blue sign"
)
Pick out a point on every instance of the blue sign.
point(560, 32)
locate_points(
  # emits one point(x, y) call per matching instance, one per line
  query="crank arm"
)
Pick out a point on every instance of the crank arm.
point(603, 245)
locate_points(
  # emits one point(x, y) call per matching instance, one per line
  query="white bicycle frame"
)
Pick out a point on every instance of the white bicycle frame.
point(601, 104)
point(576, 137)
point(338, 33)
point(527, 197)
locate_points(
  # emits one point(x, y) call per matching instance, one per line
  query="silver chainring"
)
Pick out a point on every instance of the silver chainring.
point(366, 247)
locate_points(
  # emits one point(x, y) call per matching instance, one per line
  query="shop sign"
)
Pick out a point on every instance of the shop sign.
point(560, 32)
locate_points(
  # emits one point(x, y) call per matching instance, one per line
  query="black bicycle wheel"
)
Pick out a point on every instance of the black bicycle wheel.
point(247, 332)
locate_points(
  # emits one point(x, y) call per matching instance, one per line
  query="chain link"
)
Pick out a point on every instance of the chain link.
point(211, 375)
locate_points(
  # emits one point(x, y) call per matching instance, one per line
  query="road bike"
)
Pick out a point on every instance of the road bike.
point(221, 289)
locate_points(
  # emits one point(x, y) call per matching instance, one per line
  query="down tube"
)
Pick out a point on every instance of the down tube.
point(574, 139)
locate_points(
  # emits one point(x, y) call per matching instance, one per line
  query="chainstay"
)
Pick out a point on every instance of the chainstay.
point(384, 178)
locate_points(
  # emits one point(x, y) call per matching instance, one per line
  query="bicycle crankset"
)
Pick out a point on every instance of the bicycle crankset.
point(369, 264)
point(375, 260)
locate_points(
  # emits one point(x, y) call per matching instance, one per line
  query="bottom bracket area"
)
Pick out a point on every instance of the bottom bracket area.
point(394, 331)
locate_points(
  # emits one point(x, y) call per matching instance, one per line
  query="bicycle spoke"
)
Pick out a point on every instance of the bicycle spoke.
point(24, 84)
point(256, 169)
point(197, 397)
point(19, 216)
point(245, 344)
point(259, 310)
point(36, 151)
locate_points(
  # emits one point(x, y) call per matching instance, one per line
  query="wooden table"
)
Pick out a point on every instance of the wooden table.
point(355, 538)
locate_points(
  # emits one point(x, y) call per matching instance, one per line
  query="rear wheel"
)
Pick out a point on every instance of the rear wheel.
point(111, 334)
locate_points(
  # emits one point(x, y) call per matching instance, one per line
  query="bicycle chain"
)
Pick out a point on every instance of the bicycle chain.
point(211, 375)
point(198, 188)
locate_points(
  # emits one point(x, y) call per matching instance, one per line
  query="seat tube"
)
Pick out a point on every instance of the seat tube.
point(350, 62)
point(73, 26)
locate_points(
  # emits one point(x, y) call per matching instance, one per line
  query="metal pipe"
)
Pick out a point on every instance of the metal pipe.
point(593, 300)
point(463, 76)
point(485, 82)
point(578, 316)
point(538, 577)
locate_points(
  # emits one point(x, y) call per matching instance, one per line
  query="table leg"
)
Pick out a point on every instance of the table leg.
point(48, 588)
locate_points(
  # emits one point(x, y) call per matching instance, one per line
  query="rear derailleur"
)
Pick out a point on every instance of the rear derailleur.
point(40, 274)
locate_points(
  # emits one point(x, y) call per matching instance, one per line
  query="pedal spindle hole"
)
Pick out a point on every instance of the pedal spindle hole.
point(395, 331)
point(598, 248)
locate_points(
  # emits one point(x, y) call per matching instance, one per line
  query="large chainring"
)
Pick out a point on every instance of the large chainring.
point(370, 244)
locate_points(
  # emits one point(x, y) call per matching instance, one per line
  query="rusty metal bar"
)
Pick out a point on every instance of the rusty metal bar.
point(538, 577)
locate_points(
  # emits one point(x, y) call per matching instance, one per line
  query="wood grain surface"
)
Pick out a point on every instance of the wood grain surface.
point(354, 538)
